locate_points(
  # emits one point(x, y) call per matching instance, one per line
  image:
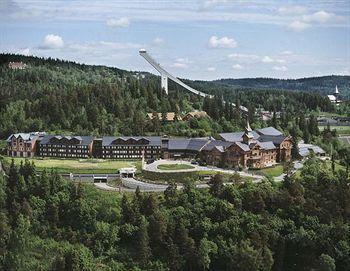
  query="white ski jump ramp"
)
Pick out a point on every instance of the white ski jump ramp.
point(165, 75)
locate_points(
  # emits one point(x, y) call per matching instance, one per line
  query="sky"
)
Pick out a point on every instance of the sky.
point(199, 39)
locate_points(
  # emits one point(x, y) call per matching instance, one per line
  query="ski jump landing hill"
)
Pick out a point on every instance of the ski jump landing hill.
point(165, 75)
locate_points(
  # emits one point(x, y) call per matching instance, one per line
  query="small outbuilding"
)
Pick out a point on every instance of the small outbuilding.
point(127, 172)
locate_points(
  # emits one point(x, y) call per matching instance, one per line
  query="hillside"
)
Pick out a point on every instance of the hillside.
point(62, 96)
point(323, 85)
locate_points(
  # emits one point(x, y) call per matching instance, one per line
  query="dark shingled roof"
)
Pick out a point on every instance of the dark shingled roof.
point(236, 137)
point(196, 144)
point(216, 143)
point(243, 146)
point(277, 140)
point(189, 144)
point(153, 140)
point(85, 140)
point(270, 131)
point(267, 145)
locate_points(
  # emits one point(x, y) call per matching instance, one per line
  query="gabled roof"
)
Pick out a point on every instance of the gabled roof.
point(196, 144)
point(83, 140)
point(190, 144)
point(153, 140)
point(270, 131)
point(236, 137)
point(24, 136)
point(216, 143)
point(277, 140)
point(220, 148)
point(243, 146)
point(304, 149)
point(267, 145)
point(178, 143)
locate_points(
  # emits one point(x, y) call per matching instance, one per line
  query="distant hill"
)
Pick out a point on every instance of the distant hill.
point(323, 85)
point(63, 96)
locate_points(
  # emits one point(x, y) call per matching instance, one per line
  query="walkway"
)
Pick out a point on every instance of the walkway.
point(154, 168)
point(296, 165)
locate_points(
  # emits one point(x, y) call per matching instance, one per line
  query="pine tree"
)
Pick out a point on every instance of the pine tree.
point(142, 248)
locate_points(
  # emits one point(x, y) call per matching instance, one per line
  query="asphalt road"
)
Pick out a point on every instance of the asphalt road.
point(89, 177)
point(154, 168)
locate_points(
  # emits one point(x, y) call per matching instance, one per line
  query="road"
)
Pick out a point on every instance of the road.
point(130, 185)
point(154, 168)
point(89, 177)
point(296, 165)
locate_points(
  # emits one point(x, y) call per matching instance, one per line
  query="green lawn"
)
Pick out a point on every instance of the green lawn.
point(344, 130)
point(78, 165)
point(174, 166)
point(273, 171)
point(330, 114)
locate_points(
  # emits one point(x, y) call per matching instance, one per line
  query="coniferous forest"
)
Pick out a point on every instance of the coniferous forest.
point(303, 223)
point(62, 96)
point(50, 223)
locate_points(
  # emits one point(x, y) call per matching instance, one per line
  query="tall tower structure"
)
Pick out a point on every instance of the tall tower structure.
point(336, 93)
point(165, 75)
point(248, 136)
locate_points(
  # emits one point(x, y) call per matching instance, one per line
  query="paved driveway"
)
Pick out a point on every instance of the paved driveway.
point(154, 168)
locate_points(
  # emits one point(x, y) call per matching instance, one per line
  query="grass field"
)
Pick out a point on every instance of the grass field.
point(174, 166)
point(329, 114)
point(344, 130)
point(78, 166)
point(273, 171)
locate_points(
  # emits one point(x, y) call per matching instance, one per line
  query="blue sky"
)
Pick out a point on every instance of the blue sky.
point(199, 39)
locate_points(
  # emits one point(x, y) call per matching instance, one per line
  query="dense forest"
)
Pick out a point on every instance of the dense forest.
point(62, 96)
point(301, 224)
point(323, 85)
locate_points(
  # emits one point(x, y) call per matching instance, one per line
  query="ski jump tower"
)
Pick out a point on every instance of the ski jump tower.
point(165, 75)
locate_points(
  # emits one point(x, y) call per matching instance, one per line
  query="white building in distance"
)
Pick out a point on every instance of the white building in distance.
point(334, 98)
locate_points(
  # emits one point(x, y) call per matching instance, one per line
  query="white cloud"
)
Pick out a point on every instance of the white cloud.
point(25, 51)
point(184, 60)
point(121, 22)
point(158, 41)
point(250, 58)
point(318, 17)
point(212, 3)
point(52, 41)
point(237, 67)
point(267, 59)
point(224, 42)
point(286, 53)
point(179, 65)
point(292, 10)
point(211, 69)
point(280, 68)
point(298, 26)
point(244, 58)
